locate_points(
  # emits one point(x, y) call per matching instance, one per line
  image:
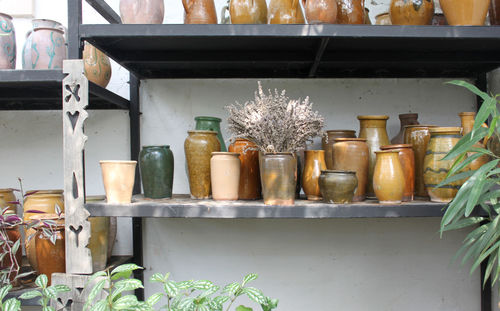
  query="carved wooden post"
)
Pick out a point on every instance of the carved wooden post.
point(75, 100)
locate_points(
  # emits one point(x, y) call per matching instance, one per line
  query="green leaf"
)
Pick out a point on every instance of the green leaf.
point(184, 285)
point(202, 284)
point(170, 288)
point(125, 268)
point(49, 292)
point(248, 278)
point(489, 268)
point(254, 294)
point(101, 305)
point(456, 177)
point(125, 302)
point(232, 288)
point(61, 288)
point(30, 295)
point(4, 291)
point(464, 223)
point(12, 304)
point(212, 290)
point(125, 285)
point(466, 143)
point(93, 293)
point(470, 87)
point(94, 276)
point(243, 308)
point(186, 303)
point(158, 277)
point(153, 299)
point(484, 255)
point(122, 275)
point(41, 281)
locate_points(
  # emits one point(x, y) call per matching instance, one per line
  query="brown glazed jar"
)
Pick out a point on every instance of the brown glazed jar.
point(249, 187)
point(198, 149)
point(314, 164)
point(7, 195)
point(225, 175)
point(388, 178)
point(50, 257)
point(248, 11)
point(320, 11)
point(350, 11)
point(494, 12)
point(465, 12)
point(285, 12)
point(407, 159)
point(199, 12)
point(329, 139)
point(405, 119)
point(411, 12)
point(338, 186)
point(467, 120)
point(278, 173)
point(352, 154)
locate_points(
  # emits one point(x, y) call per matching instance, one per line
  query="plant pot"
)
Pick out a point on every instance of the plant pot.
point(285, 12)
point(248, 11)
point(225, 175)
point(118, 178)
point(13, 235)
point(465, 12)
point(338, 186)
point(411, 12)
point(249, 185)
point(350, 11)
point(320, 11)
point(199, 12)
point(278, 173)
point(98, 242)
point(405, 119)
point(407, 159)
point(142, 11)
point(211, 124)
point(329, 139)
point(156, 164)
point(314, 164)
point(7, 195)
point(51, 258)
point(45, 47)
point(96, 65)
point(388, 178)
point(7, 42)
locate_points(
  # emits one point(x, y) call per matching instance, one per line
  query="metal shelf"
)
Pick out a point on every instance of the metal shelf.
point(42, 90)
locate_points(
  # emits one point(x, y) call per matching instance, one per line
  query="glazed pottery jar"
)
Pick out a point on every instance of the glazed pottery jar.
point(350, 11)
point(248, 11)
point(96, 65)
point(338, 186)
point(443, 139)
point(118, 178)
point(199, 12)
point(142, 11)
point(407, 160)
point(494, 12)
point(418, 136)
point(7, 42)
point(249, 185)
point(44, 201)
point(51, 257)
point(329, 139)
point(388, 177)
point(98, 242)
point(225, 175)
point(198, 148)
point(156, 164)
point(314, 164)
point(373, 129)
point(13, 235)
point(383, 19)
point(211, 124)
point(285, 12)
point(112, 223)
point(320, 11)
point(45, 49)
point(467, 120)
point(7, 195)
point(352, 154)
point(278, 173)
point(405, 119)
point(465, 12)
point(27, 61)
point(411, 12)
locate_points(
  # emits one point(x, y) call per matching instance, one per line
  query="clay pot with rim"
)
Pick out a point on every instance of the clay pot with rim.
point(407, 159)
point(467, 120)
point(96, 65)
point(7, 42)
point(7, 195)
point(199, 12)
point(338, 186)
point(388, 177)
point(156, 165)
point(118, 178)
point(27, 61)
point(285, 12)
point(411, 12)
point(248, 11)
point(45, 48)
point(249, 185)
point(328, 140)
point(225, 175)
point(278, 174)
point(405, 119)
point(350, 11)
point(320, 11)
point(465, 12)
point(314, 164)
point(142, 11)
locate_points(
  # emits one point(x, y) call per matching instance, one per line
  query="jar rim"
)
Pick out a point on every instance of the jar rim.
point(396, 146)
point(208, 118)
point(340, 139)
point(467, 113)
point(117, 161)
point(445, 129)
point(387, 151)
point(225, 153)
point(156, 146)
point(202, 132)
point(420, 125)
point(335, 131)
point(373, 117)
point(6, 15)
point(337, 172)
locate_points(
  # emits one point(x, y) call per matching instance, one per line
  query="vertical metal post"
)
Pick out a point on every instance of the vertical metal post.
point(74, 22)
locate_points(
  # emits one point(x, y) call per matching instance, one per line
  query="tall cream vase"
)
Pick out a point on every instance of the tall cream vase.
point(225, 175)
point(118, 178)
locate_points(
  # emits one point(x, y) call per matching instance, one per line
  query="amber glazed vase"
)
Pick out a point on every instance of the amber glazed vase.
point(350, 11)
point(465, 12)
point(248, 11)
point(407, 159)
point(249, 185)
point(285, 12)
point(412, 12)
point(199, 12)
point(320, 11)
point(329, 139)
point(225, 175)
point(7, 195)
point(388, 179)
point(314, 164)
point(278, 173)
point(467, 120)
point(405, 119)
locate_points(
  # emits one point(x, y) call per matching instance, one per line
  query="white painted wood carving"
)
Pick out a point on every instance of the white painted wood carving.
point(75, 299)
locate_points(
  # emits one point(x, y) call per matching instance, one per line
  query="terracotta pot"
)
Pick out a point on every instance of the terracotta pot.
point(98, 243)
point(118, 178)
point(418, 136)
point(248, 11)
point(405, 119)
point(439, 20)
point(198, 149)
point(367, 17)
point(13, 235)
point(329, 139)
point(112, 224)
point(45, 48)
point(443, 139)
point(494, 12)
point(352, 154)
point(7, 42)
point(407, 160)
point(96, 65)
point(157, 171)
point(50, 257)
point(320, 11)
point(388, 178)
point(373, 129)
point(314, 164)
point(211, 124)
point(411, 12)
point(383, 19)
point(465, 12)
point(249, 188)
point(278, 173)
point(142, 11)
point(27, 62)
point(7, 195)
point(225, 175)
point(338, 186)
point(350, 11)
point(467, 120)
point(285, 12)
point(199, 12)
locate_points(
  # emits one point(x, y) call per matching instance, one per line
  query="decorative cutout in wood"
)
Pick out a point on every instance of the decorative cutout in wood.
point(75, 299)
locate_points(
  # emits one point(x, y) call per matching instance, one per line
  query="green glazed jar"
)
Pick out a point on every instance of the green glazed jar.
point(211, 124)
point(156, 164)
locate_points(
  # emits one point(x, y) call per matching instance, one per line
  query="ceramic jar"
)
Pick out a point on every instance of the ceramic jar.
point(156, 164)
point(388, 178)
point(350, 11)
point(27, 62)
point(211, 124)
point(45, 48)
point(411, 12)
point(329, 139)
point(285, 12)
point(198, 148)
point(467, 120)
point(142, 11)
point(118, 178)
point(99, 242)
point(383, 19)
point(418, 136)
point(7, 42)
point(249, 185)
point(96, 65)
point(225, 175)
point(7, 195)
point(112, 224)
point(51, 257)
point(352, 154)
point(443, 139)
point(320, 11)
point(314, 164)
point(278, 173)
point(405, 119)
point(494, 12)
point(13, 235)
point(338, 186)
point(373, 129)
point(199, 12)
point(248, 11)
point(407, 160)
point(465, 12)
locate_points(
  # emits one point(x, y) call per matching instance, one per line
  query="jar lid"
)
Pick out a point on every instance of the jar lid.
point(46, 191)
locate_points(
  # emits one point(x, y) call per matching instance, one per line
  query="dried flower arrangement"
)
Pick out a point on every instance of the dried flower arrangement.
point(274, 122)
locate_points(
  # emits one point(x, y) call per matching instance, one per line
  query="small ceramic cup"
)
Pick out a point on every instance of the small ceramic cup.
point(118, 178)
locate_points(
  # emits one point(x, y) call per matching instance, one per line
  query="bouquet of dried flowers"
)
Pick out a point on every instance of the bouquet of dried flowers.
point(274, 122)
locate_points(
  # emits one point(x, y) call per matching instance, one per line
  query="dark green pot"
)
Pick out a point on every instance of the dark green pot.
point(157, 171)
point(211, 124)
